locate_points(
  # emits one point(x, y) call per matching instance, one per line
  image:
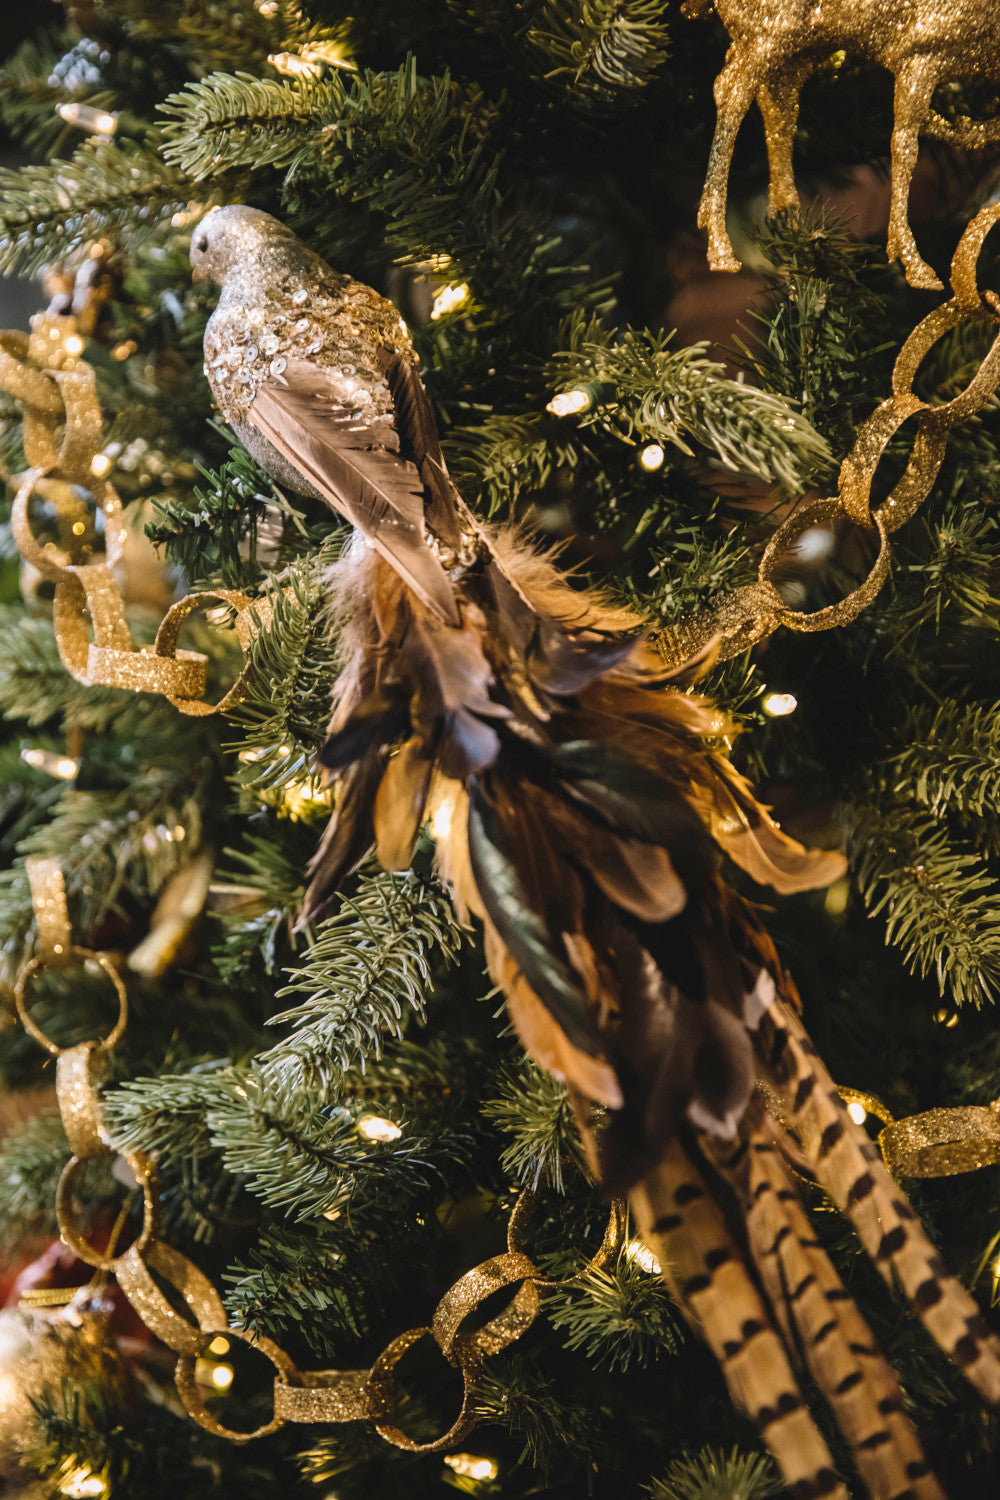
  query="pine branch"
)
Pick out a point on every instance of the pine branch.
point(367, 970)
point(558, 1435)
point(104, 188)
point(645, 392)
point(951, 760)
point(601, 53)
point(533, 1109)
point(715, 1475)
point(418, 151)
point(284, 706)
point(825, 342)
point(939, 900)
point(35, 686)
point(619, 1316)
point(31, 1162)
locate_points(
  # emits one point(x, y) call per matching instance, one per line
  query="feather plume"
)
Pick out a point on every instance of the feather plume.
point(582, 806)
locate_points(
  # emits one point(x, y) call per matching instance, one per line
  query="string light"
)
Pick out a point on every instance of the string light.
point(222, 1377)
point(643, 1257)
point(375, 1128)
point(779, 705)
point(569, 403)
point(652, 457)
point(471, 1467)
point(64, 767)
point(310, 62)
point(83, 1482)
point(447, 299)
point(73, 343)
point(294, 65)
point(857, 1112)
point(99, 465)
point(946, 1018)
point(219, 1345)
point(97, 121)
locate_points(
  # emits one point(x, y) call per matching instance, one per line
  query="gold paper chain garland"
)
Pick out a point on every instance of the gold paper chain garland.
point(938, 1142)
point(148, 1264)
point(750, 614)
point(63, 394)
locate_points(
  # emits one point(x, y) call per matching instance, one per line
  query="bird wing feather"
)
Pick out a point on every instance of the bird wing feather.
point(358, 468)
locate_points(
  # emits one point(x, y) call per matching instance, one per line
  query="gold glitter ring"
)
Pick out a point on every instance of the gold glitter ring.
point(943, 1142)
point(474, 1288)
point(78, 1103)
point(194, 1402)
point(145, 1175)
point(53, 960)
point(48, 900)
point(166, 643)
point(133, 1273)
point(383, 1395)
point(325, 1396)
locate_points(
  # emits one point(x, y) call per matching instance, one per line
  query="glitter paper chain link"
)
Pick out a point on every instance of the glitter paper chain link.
point(149, 1269)
point(62, 469)
point(750, 614)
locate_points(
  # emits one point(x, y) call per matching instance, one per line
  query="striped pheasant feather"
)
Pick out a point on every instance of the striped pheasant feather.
point(851, 1170)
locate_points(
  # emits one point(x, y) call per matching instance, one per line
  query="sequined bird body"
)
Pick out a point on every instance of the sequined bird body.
point(582, 803)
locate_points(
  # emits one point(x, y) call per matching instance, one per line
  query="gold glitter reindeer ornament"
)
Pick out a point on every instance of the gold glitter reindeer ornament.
point(777, 44)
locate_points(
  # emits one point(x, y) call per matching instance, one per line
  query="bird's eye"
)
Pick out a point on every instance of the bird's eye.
point(201, 244)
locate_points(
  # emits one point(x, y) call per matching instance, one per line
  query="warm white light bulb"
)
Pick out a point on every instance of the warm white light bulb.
point(779, 705)
point(81, 1483)
point(98, 121)
point(469, 1466)
point(652, 457)
point(73, 343)
point(222, 1377)
point(568, 403)
point(643, 1257)
point(375, 1128)
point(99, 465)
point(857, 1112)
point(447, 299)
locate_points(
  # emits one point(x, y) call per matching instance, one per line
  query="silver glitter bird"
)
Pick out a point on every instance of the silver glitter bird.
point(581, 802)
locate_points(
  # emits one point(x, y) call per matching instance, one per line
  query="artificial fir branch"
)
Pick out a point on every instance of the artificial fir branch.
point(532, 1108)
point(367, 970)
point(715, 1475)
point(600, 54)
point(938, 899)
point(680, 397)
point(103, 188)
point(620, 1315)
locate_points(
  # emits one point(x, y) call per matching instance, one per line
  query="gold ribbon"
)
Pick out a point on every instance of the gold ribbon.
point(187, 1321)
point(752, 613)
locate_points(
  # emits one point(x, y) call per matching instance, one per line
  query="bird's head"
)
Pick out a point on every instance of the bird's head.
point(228, 236)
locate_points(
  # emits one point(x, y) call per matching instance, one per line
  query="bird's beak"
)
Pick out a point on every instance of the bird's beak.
point(197, 275)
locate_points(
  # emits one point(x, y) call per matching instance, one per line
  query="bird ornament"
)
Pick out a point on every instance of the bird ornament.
point(583, 802)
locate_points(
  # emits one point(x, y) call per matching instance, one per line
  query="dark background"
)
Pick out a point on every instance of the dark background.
point(18, 19)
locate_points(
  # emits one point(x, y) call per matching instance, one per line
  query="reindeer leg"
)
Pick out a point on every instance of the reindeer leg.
point(915, 83)
point(734, 92)
point(779, 105)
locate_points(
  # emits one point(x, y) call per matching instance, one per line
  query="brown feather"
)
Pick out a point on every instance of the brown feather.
point(356, 470)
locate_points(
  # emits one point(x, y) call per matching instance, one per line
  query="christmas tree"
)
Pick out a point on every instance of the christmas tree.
point(341, 1117)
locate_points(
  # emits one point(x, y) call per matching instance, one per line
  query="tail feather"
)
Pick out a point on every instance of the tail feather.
point(849, 1167)
point(820, 1317)
point(685, 1229)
